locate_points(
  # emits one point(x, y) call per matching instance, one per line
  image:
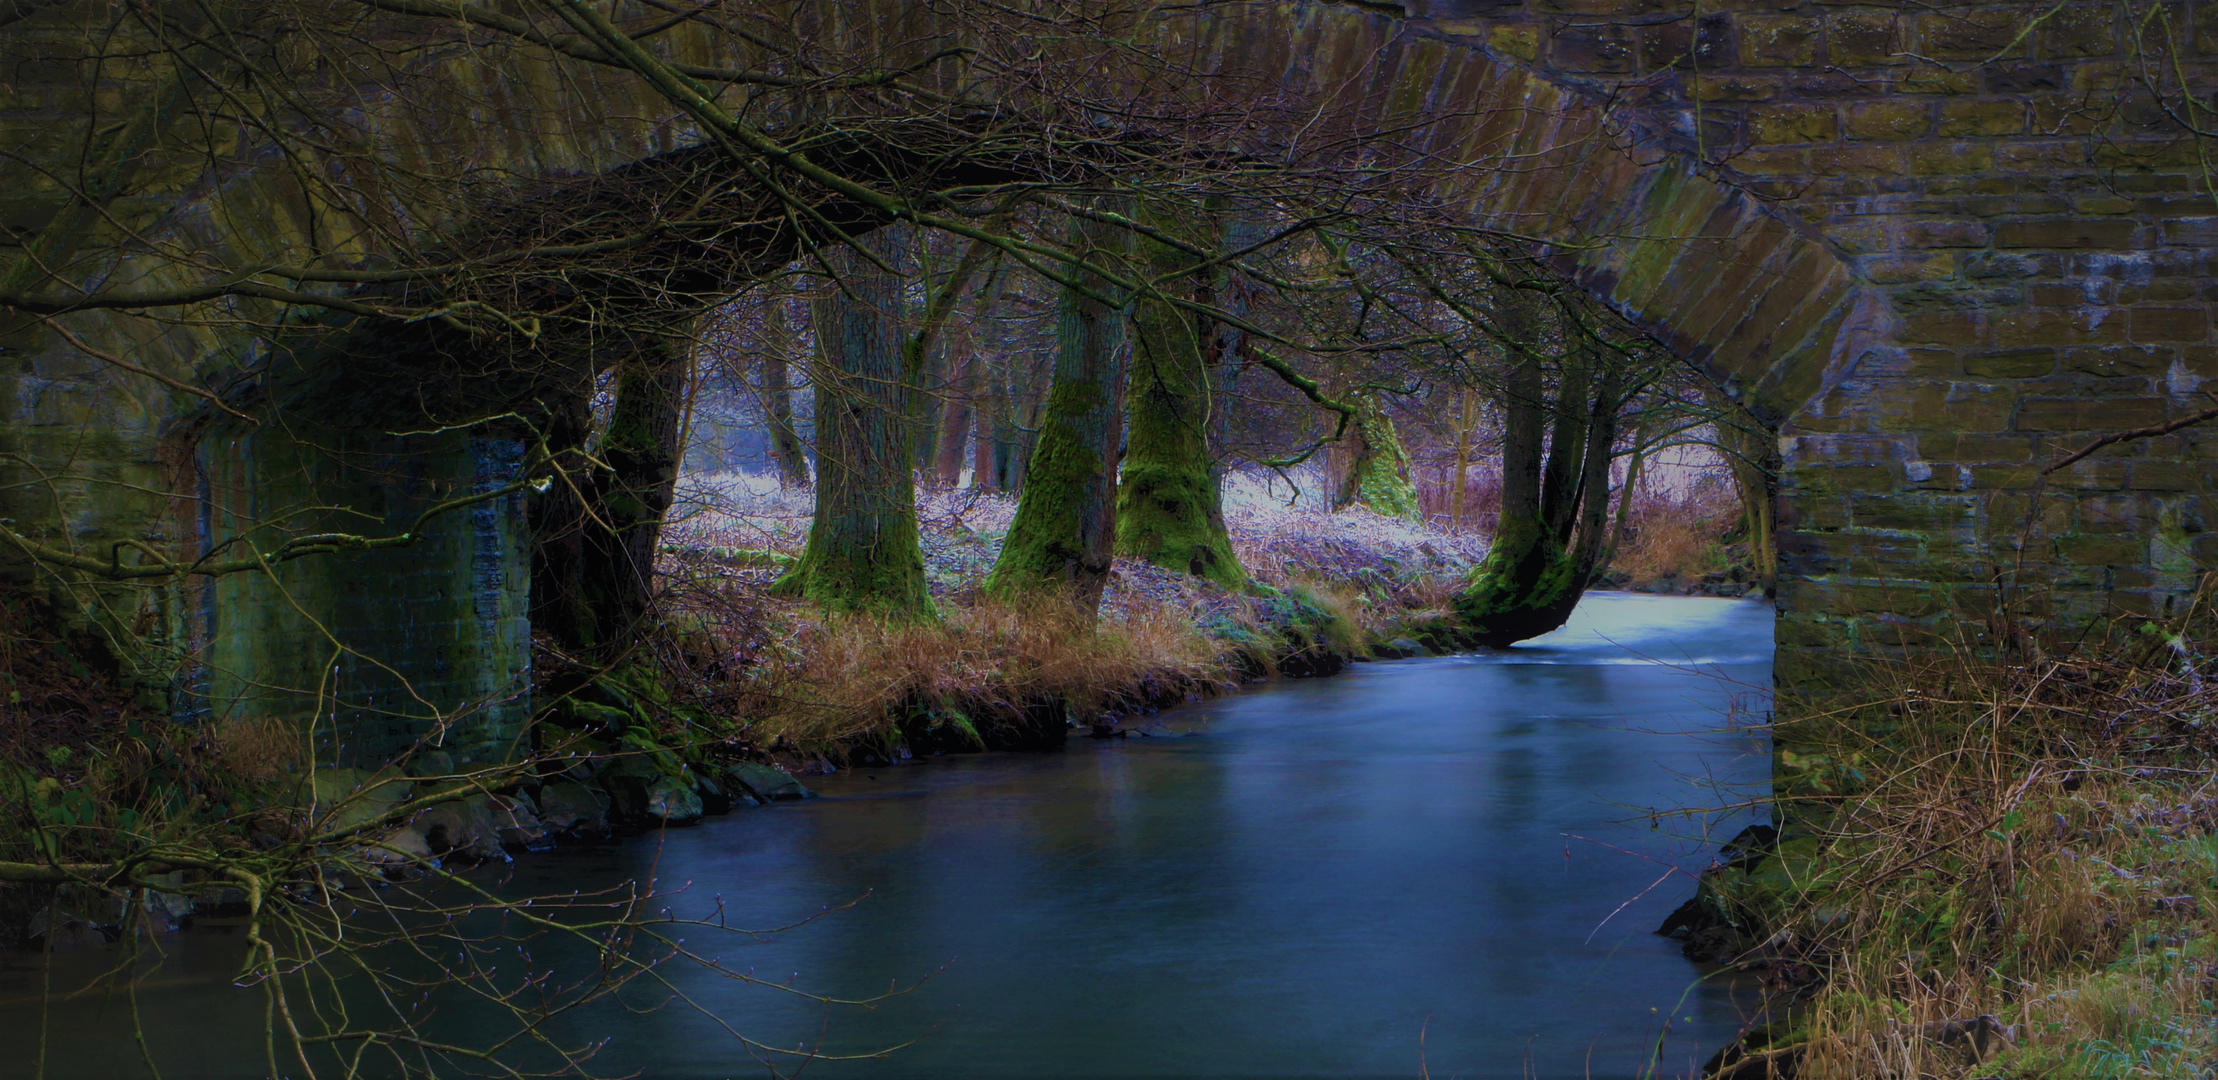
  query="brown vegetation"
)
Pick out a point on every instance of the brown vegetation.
point(1997, 868)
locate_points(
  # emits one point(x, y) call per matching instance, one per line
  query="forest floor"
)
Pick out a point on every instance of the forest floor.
point(1333, 586)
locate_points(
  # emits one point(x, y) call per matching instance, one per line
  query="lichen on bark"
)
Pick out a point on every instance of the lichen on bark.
point(1170, 509)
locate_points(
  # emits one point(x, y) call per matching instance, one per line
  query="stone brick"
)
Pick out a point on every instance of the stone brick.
point(1793, 123)
point(1773, 161)
point(2080, 29)
point(1997, 117)
point(1948, 233)
point(1979, 34)
point(1734, 87)
point(2069, 114)
point(2170, 476)
point(1889, 120)
point(2052, 156)
point(2049, 326)
point(1864, 38)
point(2111, 233)
point(1606, 50)
point(1866, 159)
point(2117, 360)
point(2080, 414)
point(2170, 324)
point(1926, 79)
point(1951, 158)
point(1678, 45)
point(1949, 328)
point(2010, 363)
point(1779, 40)
point(2191, 231)
point(1976, 448)
point(1522, 42)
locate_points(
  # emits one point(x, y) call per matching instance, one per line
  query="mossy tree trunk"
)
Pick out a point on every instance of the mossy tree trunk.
point(774, 386)
point(1064, 535)
point(1753, 453)
point(1373, 468)
point(1170, 506)
point(599, 528)
point(862, 552)
point(1555, 501)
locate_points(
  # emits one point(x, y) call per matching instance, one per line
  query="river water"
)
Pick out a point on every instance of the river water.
point(1441, 867)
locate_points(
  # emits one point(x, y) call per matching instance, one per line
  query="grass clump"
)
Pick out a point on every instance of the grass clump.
point(1993, 869)
point(990, 673)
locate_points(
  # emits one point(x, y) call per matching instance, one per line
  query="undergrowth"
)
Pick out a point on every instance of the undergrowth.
point(1994, 868)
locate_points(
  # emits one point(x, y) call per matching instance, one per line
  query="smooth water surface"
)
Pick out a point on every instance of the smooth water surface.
point(1444, 865)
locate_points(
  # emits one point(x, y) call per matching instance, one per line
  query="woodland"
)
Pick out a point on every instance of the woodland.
point(884, 382)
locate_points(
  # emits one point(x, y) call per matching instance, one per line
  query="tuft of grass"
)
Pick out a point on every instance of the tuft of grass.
point(982, 675)
point(1678, 539)
point(1998, 868)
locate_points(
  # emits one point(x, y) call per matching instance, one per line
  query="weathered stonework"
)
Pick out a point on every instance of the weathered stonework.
point(1937, 245)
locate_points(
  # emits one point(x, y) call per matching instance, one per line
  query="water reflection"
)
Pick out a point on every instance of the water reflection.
point(1290, 882)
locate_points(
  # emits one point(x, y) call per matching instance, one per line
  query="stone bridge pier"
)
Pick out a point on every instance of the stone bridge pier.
point(1934, 246)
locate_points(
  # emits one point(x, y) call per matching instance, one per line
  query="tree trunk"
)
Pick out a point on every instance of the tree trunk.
point(1754, 456)
point(1465, 425)
point(1374, 469)
point(862, 552)
point(1170, 510)
point(775, 389)
point(955, 415)
point(599, 528)
point(1529, 582)
point(1065, 530)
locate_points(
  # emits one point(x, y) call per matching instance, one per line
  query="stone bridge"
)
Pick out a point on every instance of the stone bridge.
point(1936, 245)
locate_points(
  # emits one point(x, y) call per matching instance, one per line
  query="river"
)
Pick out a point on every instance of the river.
point(1441, 867)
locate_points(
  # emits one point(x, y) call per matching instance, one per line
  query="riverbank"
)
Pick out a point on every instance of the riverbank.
point(1999, 868)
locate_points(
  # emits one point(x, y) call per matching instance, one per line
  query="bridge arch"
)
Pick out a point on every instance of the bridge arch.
point(1833, 265)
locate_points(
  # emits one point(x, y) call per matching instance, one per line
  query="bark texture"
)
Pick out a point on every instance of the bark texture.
point(863, 553)
point(1064, 535)
point(599, 528)
point(1555, 502)
point(1170, 508)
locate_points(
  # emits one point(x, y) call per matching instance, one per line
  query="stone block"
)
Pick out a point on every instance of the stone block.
point(2081, 414)
point(1947, 233)
point(1779, 40)
point(1734, 87)
point(1976, 448)
point(1678, 45)
point(2152, 324)
point(1866, 159)
point(2115, 361)
point(1954, 328)
point(2161, 475)
point(1605, 50)
point(1951, 158)
point(2024, 363)
point(1981, 34)
point(2043, 157)
point(1864, 38)
point(2080, 29)
point(2005, 116)
point(1520, 41)
point(2053, 326)
point(1793, 123)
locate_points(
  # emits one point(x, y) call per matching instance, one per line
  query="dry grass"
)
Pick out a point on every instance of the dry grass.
point(2033, 842)
point(257, 750)
point(1678, 538)
point(983, 673)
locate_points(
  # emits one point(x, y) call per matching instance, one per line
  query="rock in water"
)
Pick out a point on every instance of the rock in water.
point(766, 783)
point(464, 828)
point(573, 808)
point(673, 802)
